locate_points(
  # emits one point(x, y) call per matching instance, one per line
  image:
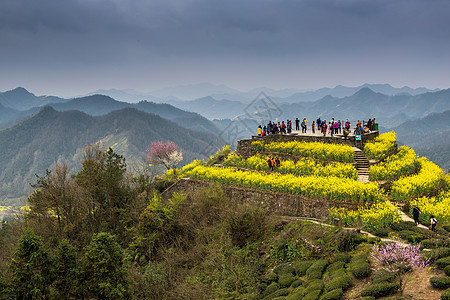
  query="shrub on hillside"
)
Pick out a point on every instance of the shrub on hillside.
point(313, 295)
point(296, 283)
point(269, 278)
point(335, 266)
point(446, 295)
point(440, 282)
point(380, 289)
point(271, 288)
point(301, 267)
point(316, 269)
point(382, 232)
point(382, 276)
point(447, 270)
point(285, 280)
point(360, 270)
point(432, 243)
point(411, 236)
point(284, 268)
point(368, 298)
point(297, 293)
point(347, 240)
point(333, 295)
point(342, 282)
point(441, 263)
point(436, 254)
point(315, 284)
point(403, 225)
point(278, 293)
point(342, 257)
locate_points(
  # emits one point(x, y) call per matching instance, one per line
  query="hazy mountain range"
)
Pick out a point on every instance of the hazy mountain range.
point(40, 130)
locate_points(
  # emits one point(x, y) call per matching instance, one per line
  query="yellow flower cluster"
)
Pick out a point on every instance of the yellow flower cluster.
point(317, 150)
point(303, 167)
point(370, 217)
point(394, 166)
point(380, 146)
point(3, 208)
point(321, 187)
point(430, 177)
point(438, 206)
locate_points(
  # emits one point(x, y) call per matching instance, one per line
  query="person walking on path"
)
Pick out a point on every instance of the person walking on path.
point(313, 125)
point(433, 222)
point(416, 212)
point(297, 124)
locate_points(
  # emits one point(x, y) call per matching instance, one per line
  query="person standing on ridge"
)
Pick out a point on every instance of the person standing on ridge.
point(433, 222)
point(297, 124)
point(416, 212)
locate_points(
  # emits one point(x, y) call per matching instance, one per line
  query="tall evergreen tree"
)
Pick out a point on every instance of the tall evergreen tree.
point(66, 269)
point(31, 269)
point(103, 272)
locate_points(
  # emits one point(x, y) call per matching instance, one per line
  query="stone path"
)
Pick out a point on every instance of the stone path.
point(405, 217)
point(362, 165)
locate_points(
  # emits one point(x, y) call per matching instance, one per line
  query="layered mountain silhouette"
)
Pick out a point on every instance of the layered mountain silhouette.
point(35, 144)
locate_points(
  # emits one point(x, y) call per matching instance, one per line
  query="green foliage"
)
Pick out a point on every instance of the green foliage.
point(313, 285)
point(382, 232)
point(380, 289)
point(446, 294)
point(344, 257)
point(436, 254)
point(285, 280)
point(313, 295)
point(335, 294)
point(31, 269)
point(278, 293)
point(382, 276)
point(296, 283)
point(411, 236)
point(284, 268)
point(447, 270)
point(66, 270)
point(335, 266)
point(440, 282)
point(441, 263)
point(271, 288)
point(103, 272)
point(361, 270)
point(219, 156)
point(301, 267)
point(246, 225)
point(297, 293)
point(347, 240)
point(285, 250)
point(342, 282)
point(316, 269)
point(368, 298)
point(403, 225)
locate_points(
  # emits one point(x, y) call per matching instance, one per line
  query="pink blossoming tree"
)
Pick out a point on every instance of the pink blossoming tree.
point(398, 259)
point(166, 154)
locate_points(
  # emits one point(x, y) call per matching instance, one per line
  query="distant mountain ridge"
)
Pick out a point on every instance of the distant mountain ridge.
point(35, 144)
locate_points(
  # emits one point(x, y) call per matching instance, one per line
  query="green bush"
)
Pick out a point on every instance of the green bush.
point(441, 263)
point(277, 293)
point(403, 225)
point(347, 240)
point(431, 243)
point(301, 267)
point(296, 283)
point(315, 284)
point(314, 295)
point(440, 282)
point(269, 278)
point(447, 270)
point(284, 269)
point(382, 232)
point(446, 227)
point(246, 225)
point(333, 295)
point(380, 289)
point(394, 298)
point(446, 295)
point(317, 267)
point(297, 293)
point(285, 280)
point(338, 273)
point(335, 266)
point(359, 258)
point(360, 270)
point(261, 287)
point(342, 282)
point(342, 257)
point(411, 236)
point(271, 288)
point(382, 276)
point(368, 298)
point(436, 254)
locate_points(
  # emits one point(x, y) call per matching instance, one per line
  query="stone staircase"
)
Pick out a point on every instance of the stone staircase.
point(362, 165)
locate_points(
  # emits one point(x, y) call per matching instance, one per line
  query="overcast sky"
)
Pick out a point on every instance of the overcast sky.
point(71, 47)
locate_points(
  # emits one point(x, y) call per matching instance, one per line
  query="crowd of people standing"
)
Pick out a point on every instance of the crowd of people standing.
point(331, 128)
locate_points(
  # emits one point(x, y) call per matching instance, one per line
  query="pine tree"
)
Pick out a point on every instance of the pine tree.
point(31, 269)
point(66, 269)
point(103, 272)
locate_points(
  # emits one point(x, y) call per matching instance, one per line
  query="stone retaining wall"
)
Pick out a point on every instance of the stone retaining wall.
point(278, 203)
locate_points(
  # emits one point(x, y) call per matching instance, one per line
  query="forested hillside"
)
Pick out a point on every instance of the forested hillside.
point(36, 144)
point(103, 233)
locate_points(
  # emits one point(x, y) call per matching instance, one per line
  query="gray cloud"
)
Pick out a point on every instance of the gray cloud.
point(170, 42)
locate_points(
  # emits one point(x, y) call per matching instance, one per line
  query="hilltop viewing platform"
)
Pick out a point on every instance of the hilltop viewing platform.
point(244, 146)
